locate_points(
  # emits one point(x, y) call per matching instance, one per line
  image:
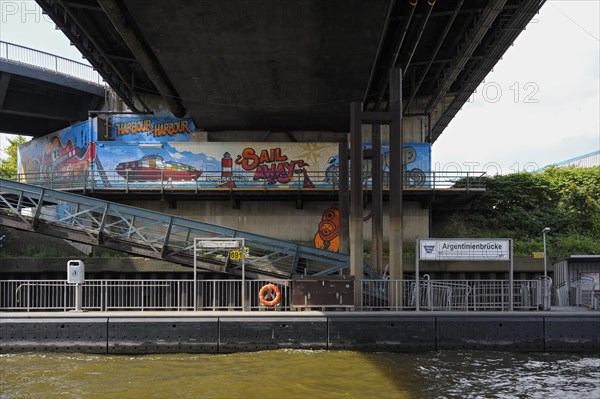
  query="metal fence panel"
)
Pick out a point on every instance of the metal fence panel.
point(212, 295)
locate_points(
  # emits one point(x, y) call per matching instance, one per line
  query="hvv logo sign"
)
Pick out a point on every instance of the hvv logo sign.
point(429, 248)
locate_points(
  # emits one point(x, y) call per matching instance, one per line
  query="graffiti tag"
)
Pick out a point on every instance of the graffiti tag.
point(270, 165)
point(155, 129)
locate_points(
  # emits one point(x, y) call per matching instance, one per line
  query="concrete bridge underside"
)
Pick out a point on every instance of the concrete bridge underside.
point(292, 66)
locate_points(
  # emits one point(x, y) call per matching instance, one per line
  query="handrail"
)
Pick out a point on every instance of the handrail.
point(107, 180)
point(177, 294)
point(43, 60)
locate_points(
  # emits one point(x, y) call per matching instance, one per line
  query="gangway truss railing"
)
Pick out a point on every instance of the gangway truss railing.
point(153, 234)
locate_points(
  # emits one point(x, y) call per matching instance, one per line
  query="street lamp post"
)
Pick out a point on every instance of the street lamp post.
point(544, 231)
point(546, 286)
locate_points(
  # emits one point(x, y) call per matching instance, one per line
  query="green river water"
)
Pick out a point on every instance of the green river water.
point(302, 374)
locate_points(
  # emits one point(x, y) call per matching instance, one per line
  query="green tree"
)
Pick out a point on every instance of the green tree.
point(520, 205)
point(578, 190)
point(8, 166)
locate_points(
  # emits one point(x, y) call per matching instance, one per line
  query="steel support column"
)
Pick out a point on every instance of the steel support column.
point(344, 198)
point(396, 182)
point(377, 198)
point(356, 199)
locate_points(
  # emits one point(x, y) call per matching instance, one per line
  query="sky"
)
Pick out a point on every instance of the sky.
point(540, 105)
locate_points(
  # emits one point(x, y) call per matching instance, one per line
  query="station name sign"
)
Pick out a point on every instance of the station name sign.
point(464, 249)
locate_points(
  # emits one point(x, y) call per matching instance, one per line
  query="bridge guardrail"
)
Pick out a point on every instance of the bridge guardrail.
point(98, 180)
point(50, 62)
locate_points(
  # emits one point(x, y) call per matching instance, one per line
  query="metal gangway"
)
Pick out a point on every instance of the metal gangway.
point(153, 234)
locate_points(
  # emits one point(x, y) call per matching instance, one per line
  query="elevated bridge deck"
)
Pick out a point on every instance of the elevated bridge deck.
point(42, 92)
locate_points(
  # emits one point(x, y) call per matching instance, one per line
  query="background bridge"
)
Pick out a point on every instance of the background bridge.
point(42, 92)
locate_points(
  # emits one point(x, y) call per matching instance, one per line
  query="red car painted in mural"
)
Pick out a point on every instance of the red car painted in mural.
point(155, 168)
point(66, 160)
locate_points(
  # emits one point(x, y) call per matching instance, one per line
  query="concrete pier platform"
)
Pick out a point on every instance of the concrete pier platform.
point(226, 332)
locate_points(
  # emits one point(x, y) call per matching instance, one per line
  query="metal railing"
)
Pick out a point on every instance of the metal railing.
point(113, 180)
point(580, 291)
point(452, 295)
point(213, 295)
point(49, 62)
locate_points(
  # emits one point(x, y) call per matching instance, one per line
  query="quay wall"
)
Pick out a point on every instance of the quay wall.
point(227, 332)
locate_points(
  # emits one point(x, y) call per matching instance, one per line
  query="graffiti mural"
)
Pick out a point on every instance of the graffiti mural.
point(68, 152)
point(246, 165)
point(416, 162)
point(147, 151)
point(66, 157)
point(272, 166)
point(151, 129)
point(328, 235)
point(154, 167)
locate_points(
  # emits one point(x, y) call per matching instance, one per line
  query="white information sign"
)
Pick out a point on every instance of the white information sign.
point(464, 249)
point(218, 243)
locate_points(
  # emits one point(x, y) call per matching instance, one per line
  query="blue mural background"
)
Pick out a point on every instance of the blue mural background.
point(149, 151)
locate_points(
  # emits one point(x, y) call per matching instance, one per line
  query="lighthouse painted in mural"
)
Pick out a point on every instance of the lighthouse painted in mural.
point(227, 171)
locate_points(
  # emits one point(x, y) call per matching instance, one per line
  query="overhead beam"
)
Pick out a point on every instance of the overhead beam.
point(399, 41)
point(441, 61)
point(434, 54)
point(505, 34)
point(138, 47)
point(77, 32)
point(381, 40)
point(83, 6)
point(482, 26)
point(415, 44)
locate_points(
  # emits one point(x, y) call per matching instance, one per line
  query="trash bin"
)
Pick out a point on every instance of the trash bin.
point(75, 272)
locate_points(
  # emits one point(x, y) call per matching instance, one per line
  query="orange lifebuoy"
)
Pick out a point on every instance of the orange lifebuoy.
point(269, 295)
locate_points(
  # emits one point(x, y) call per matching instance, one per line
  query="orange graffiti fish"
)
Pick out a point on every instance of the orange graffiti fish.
point(328, 236)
